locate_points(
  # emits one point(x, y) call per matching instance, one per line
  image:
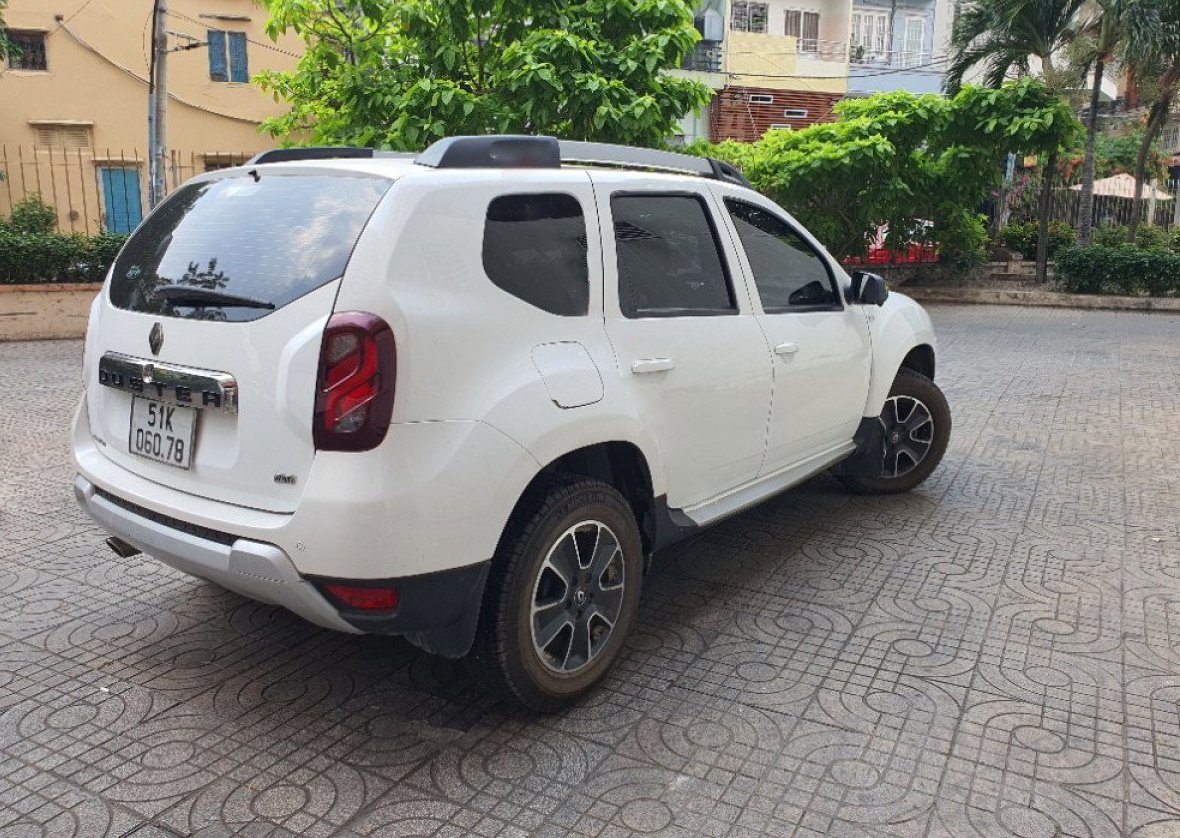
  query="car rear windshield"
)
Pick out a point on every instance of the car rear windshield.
point(238, 248)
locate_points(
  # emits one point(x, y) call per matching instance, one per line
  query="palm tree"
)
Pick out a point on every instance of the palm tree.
point(1001, 37)
point(1157, 58)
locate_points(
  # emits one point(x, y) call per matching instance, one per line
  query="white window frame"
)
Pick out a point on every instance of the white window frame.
point(913, 54)
point(876, 53)
point(807, 46)
point(760, 99)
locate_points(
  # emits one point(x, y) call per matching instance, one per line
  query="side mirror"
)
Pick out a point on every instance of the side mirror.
point(868, 289)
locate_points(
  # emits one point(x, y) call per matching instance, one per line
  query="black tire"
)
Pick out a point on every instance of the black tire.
point(549, 522)
point(909, 386)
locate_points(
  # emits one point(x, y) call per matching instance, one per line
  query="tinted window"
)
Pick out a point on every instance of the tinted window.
point(270, 241)
point(788, 271)
point(669, 260)
point(534, 247)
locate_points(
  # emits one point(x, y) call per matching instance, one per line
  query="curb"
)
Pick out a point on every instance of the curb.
point(1048, 299)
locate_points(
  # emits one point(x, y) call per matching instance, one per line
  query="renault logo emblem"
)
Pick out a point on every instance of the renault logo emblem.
point(156, 338)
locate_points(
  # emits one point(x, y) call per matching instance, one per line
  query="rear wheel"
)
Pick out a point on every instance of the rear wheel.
point(916, 425)
point(561, 597)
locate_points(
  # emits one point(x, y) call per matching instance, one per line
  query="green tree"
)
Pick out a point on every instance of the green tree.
point(1155, 62)
point(1108, 27)
point(7, 48)
point(402, 73)
point(1000, 37)
point(919, 165)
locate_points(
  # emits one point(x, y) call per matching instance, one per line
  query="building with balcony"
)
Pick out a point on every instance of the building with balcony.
point(898, 46)
point(785, 65)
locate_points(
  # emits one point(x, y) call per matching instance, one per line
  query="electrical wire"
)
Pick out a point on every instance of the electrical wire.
point(87, 46)
point(262, 44)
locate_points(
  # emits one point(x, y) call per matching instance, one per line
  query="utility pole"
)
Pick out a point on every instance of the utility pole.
point(158, 106)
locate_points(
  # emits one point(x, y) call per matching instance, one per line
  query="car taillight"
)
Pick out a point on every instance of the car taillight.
point(362, 597)
point(355, 384)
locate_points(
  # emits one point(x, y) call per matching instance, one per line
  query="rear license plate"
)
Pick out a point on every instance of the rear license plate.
point(162, 432)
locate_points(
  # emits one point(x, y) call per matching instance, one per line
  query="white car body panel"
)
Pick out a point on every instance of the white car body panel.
point(821, 359)
point(896, 328)
point(701, 384)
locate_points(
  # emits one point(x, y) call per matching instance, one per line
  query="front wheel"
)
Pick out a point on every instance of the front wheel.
point(561, 597)
point(916, 427)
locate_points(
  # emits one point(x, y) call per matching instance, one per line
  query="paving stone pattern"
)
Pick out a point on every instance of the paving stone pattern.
point(996, 653)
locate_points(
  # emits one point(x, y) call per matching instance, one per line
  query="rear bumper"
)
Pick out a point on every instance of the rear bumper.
point(250, 568)
point(437, 611)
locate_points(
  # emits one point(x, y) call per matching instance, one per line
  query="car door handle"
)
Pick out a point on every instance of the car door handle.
point(652, 365)
point(786, 349)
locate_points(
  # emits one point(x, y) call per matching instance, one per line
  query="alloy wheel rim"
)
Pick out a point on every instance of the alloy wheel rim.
point(577, 597)
point(909, 435)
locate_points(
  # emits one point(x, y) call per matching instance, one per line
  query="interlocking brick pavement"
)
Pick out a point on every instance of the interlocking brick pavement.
point(996, 653)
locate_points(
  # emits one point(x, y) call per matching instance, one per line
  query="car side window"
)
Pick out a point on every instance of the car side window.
point(790, 274)
point(669, 258)
point(534, 247)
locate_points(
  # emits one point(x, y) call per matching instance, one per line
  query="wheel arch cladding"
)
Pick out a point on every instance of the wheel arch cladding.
point(617, 463)
point(920, 359)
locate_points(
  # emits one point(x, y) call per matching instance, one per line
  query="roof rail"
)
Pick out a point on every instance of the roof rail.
point(284, 155)
point(632, 157)
point(508, 151)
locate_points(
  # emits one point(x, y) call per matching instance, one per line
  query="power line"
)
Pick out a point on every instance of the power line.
point(262, 44)
point(87, 46)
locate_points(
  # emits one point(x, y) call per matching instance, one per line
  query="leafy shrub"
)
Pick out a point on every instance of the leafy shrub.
point(55, 257)
point(31, 215)
point(1124, 269)
point(1109, 235)
point(1021, 236)
point(1150, 237)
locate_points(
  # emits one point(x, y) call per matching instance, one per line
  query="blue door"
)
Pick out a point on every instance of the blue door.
point(120, 192)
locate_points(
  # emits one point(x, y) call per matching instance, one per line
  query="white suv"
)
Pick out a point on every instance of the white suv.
point(464, 397)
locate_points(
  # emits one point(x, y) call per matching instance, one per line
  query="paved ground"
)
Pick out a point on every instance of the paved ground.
point(996, 653)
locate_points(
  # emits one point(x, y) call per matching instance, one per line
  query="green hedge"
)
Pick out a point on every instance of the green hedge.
point(1126, 269)
point(1021, 236)
point(55, 257)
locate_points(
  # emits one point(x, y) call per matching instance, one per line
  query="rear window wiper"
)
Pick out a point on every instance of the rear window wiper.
point(189, 295)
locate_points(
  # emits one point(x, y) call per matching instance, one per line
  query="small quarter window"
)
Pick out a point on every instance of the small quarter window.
point(790, 274)
point(534, 247)
point(669, 258)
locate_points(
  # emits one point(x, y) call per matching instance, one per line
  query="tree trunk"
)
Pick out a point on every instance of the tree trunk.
point(1043, 217)
point(1156, 119)
point(1086, 200)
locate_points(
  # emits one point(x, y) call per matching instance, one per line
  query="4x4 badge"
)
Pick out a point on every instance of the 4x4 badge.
point(156, 338)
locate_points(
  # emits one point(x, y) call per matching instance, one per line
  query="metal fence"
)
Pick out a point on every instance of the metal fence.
point(1114, 203)
point(95, 190)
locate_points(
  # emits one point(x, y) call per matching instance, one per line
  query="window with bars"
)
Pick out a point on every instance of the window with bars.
point(748, 17)
point(868, 38)
point(227, 56)
point(1171, 138)
point(805, 27)
point(28, 51)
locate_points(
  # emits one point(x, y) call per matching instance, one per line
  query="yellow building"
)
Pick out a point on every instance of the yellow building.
point(73, 105)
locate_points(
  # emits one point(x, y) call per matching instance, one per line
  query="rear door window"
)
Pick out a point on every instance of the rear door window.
point(534, 247)
point(669, 258)
point(236, 249)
